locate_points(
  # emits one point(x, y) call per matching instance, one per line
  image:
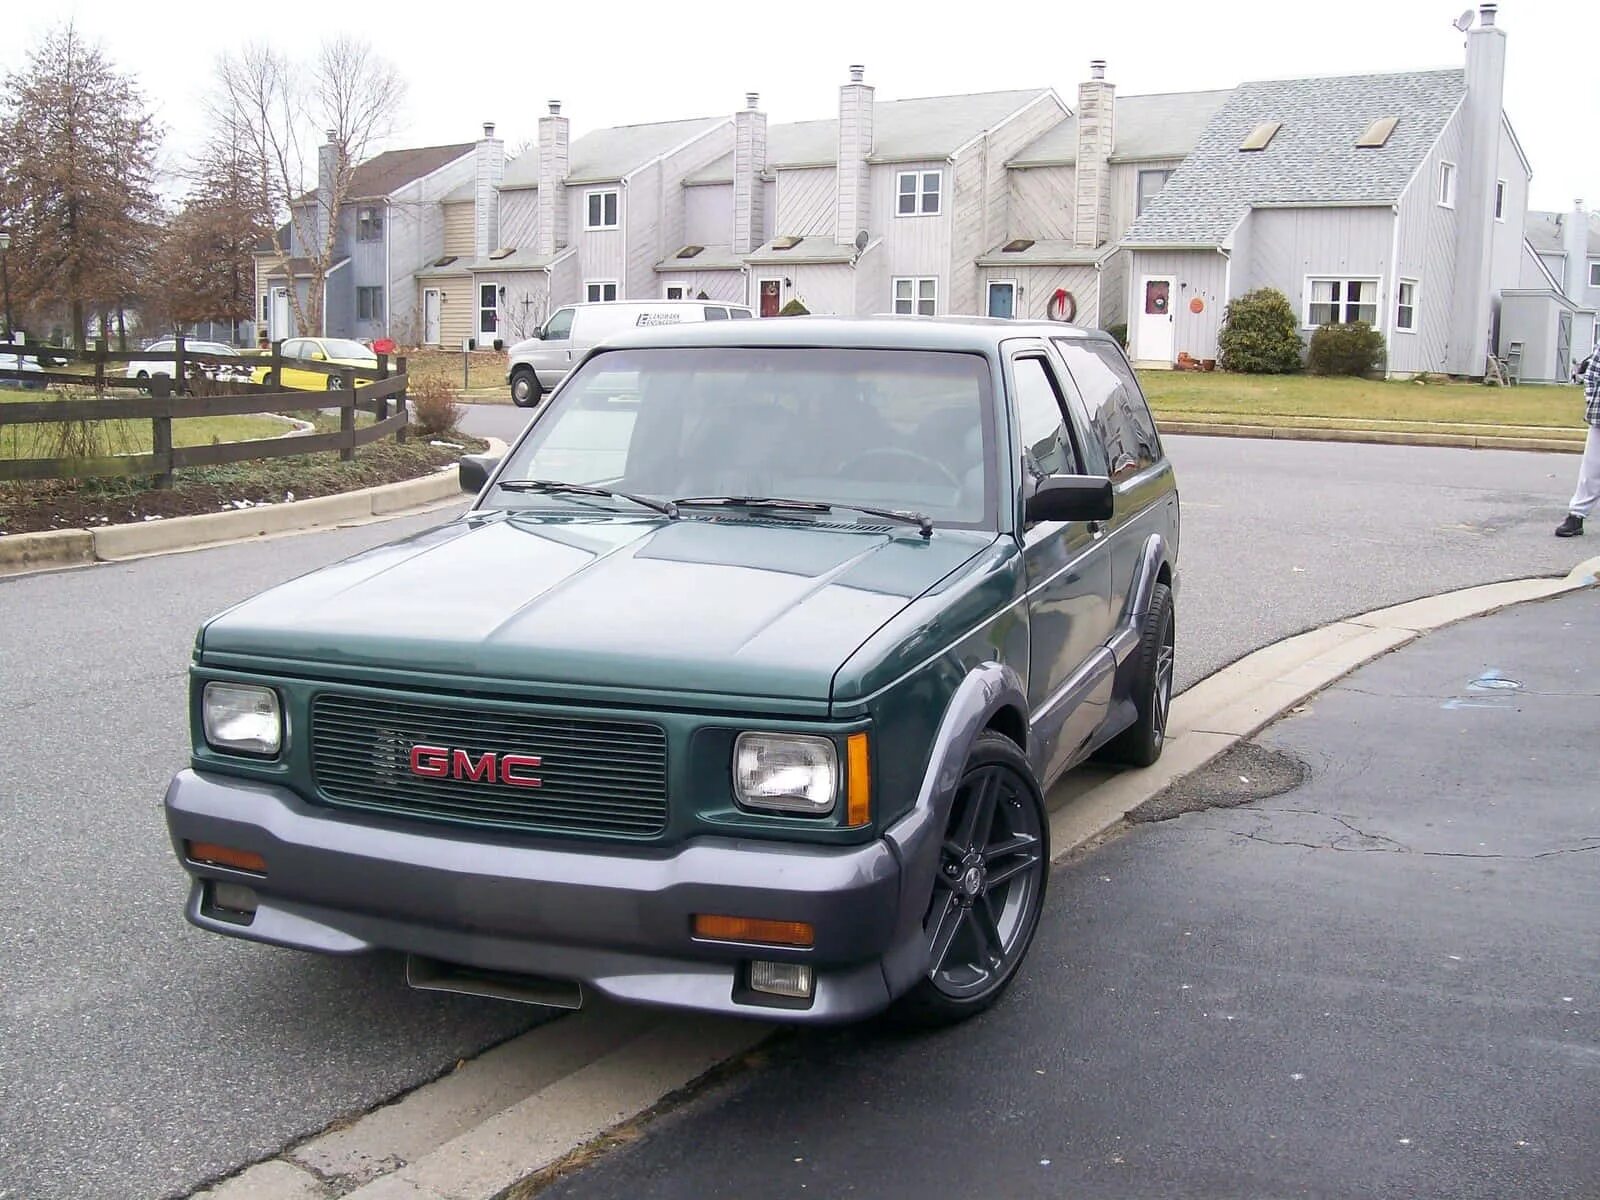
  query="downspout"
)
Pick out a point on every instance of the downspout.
point(1392, 317)
point(388, 279)
point(627, 215)
point(1227, 294)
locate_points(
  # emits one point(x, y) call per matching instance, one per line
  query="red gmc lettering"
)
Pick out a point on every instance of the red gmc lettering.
point(431, 761)
point(462, 766)
point(442, 762)
point(510, 763)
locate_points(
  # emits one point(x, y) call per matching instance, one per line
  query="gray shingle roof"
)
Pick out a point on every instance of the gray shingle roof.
point(1161, 126)
point(806, 250)
point(718, 171)
point(1546, 231)
point(1312, 160)
point(606, 154)
point(903, 130)
point(710, 258)
point(1045, 253)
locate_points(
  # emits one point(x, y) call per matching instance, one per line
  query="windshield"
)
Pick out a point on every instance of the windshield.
point(896, 429)
point(345, 348)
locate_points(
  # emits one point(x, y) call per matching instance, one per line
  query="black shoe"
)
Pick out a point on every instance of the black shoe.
point(1571, 527)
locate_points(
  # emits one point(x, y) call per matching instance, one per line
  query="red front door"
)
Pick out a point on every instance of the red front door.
point(769, 297)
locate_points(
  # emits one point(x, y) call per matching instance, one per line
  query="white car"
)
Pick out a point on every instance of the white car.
point(144, 370)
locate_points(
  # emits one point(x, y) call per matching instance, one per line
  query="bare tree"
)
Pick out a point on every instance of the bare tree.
point(347, 96)
point(77, 168)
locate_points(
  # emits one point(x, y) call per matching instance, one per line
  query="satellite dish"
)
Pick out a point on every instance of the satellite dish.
point(1464, 21)
point(861, 241)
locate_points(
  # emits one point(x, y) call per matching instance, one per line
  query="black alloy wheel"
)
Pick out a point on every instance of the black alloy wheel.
point(1150, 687)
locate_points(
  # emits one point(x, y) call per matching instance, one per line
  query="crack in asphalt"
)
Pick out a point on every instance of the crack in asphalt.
point(1389, 845)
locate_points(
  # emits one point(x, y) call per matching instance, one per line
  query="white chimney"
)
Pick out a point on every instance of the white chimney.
point(1478, 167)
point(328, 165)
point(749, 164)
point(1091, 209)
point(553, 163)
point(1575, 244)
point(854, 176)
point(488, 169)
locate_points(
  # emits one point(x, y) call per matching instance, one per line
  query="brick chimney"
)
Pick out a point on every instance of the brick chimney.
point(1091, 208)
point(1575, 242)
point(854, 207)
point(749, 164)
point(553, 138)
point(488, 169)
point(1478, 166)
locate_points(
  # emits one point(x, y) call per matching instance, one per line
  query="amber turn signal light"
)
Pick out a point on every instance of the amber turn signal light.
point(858, 808)
point(753, 929)
point(213, 855)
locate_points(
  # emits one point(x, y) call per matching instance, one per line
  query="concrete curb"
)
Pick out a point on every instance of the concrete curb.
point(1380, 437)
point(528, 1103)
point(25, 552)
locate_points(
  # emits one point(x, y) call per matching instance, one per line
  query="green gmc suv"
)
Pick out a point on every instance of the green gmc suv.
point(738, 688)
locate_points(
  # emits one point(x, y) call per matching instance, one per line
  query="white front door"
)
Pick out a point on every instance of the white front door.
point(278, 319)
point(488, 316)
point(1156, 336)
point(430, 316)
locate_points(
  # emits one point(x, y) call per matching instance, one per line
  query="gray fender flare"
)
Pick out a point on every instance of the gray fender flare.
point(915, 837)
point(1126, 639)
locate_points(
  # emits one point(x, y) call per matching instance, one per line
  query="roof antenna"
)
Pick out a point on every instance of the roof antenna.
point(1464, 21)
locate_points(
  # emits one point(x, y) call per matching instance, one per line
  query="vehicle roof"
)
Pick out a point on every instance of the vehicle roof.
point(982, 334)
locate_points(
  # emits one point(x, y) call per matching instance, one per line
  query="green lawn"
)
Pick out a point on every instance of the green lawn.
point(127, 437)
point(1362, 403)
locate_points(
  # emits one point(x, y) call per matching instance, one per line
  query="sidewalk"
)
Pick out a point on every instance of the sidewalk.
point(1361, 964)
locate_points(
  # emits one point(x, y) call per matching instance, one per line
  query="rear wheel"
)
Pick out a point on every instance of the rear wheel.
point(1140, 744)
point(525, 391)
point(989, 889)
point(335, 383)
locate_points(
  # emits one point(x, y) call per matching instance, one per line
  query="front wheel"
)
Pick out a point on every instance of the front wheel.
point(525, 391)
point(1140, 744)
point(989, 889)
point(335, 383)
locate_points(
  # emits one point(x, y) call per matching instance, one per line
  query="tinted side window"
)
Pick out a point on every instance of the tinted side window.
point(740, 314)
point(1115, 406)
point(716, 314)
point(1046, 445)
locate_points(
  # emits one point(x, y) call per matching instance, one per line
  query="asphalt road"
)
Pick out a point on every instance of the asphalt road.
point(1379, 983)
point(140, 1057)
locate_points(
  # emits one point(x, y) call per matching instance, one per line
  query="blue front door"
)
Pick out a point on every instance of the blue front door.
point(1002, 299)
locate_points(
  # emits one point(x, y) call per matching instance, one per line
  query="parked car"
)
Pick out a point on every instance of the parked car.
point(536, 365)
point(213, 359)
point(30, 365)
point(738, 688)
point(335, 352)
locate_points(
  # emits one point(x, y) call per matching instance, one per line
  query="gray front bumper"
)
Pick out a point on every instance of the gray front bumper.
point(616, 918)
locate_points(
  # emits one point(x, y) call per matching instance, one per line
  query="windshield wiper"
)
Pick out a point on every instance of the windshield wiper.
point(922, 522)
point(556, 487)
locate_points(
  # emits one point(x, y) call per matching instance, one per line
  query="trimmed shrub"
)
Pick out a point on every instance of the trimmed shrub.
point(1353, 349)
point(794, 309)
point(435, 412)
point(1260, 334)
point(1120, 332)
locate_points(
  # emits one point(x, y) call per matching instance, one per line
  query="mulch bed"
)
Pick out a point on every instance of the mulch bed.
point(87, 504)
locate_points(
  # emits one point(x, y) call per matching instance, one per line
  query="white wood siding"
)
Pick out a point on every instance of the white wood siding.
point(1507, 234)
point(920, 245)
point(1041, 204)
point(824, 288)
point(599, 251)
point(1427, 253)
point(1125, 191)
point(643, 217)
point(1037, 285)
point(1197, 273)
point(805, 202)
point(458, 231)
point(1113, 306)
point(519, 218)
point(728, 286)
point(708, 216)
point(1288, 244)
point(872, 283)
point(963, 235)
point(520, 311)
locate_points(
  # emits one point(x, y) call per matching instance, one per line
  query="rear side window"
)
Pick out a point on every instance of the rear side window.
point(1046, 445)
point(716, 314)
point(1116, 407)
point(740, 314)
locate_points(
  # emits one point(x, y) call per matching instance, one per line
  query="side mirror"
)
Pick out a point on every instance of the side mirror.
point(318, 356)
point(1071, 498)
point(474, 470)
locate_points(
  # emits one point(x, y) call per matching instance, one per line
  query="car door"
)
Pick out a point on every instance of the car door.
point(1121, 430)
point(1068, 577)
point(552, 357)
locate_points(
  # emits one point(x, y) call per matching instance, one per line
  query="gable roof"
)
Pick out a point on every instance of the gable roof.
point(1159, 126)
point(1312, 160)
point(926, 127)
point(390, 171)
point(1546, 231)
point(602, 155)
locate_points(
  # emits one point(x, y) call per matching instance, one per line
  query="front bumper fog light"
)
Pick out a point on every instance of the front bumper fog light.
point(231, 902)
point(793, 980)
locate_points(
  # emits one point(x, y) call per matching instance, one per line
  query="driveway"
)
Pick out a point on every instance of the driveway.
point(1378, 982)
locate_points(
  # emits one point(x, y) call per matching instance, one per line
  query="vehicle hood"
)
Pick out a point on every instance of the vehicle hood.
point(722, 606)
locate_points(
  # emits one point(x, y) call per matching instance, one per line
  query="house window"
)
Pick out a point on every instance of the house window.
point(1594, 272)
point(1150, 184)
point(1447, 185)
point(600, 210)
point(369, 304)
point(1405, 306)
point(918, 296)
point(1499, 199)
point(917, 193)
point(677, 291)
point(369, 224)
point(599, 290)
point(1341, 301)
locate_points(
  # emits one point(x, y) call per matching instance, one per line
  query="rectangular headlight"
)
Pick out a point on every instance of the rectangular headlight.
point(241, 718)
point(786, 772)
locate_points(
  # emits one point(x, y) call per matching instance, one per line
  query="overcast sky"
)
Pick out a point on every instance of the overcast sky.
point(624, 62)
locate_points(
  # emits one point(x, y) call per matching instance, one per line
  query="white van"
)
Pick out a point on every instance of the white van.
point(535, 366)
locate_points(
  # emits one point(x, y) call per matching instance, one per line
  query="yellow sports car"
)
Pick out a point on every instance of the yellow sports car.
point(336, 352)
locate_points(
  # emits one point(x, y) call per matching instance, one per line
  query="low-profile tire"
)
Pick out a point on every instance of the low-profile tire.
point(988, 891)
point(143, 381)
point(1151, 687)
point(525, 390)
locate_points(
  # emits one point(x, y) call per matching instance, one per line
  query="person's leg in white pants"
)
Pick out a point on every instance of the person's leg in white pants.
point(1588, 493)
